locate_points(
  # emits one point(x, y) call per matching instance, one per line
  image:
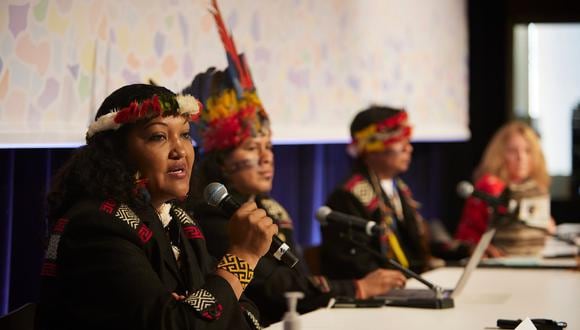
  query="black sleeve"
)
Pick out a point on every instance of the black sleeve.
point(107, 282)
point(344, 288)
point(272, 278)
point(340, 259)
point(214, 225)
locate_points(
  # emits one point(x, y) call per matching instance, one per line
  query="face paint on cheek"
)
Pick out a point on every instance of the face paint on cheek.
point(244, 164)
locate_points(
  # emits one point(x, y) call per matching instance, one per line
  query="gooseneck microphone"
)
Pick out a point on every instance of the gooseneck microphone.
point(501, 206)
point(409, 273)
point(326, 215)
point(465, 189)
point(217, 195)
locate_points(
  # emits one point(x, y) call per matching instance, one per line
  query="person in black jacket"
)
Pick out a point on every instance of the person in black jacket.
point(122, 255)
point(381, 145)
point(374, 191)
point(236, 149)
point(249, 170)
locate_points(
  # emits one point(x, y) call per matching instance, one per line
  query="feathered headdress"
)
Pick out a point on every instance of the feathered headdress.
point(233, 111)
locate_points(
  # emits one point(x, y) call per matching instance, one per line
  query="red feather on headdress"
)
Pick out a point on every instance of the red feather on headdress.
point(238, 61)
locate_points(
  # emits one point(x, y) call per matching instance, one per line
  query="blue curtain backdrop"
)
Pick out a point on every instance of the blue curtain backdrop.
point(305, 175)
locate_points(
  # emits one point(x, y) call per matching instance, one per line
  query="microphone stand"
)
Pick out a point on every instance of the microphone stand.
point(409, 273)
point(438, 301)
point(499, 219)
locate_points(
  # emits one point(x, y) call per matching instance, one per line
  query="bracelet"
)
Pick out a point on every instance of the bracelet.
point(238, 267)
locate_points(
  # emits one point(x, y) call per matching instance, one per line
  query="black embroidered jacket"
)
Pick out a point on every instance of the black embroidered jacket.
point(341, 258)
point(109, 266)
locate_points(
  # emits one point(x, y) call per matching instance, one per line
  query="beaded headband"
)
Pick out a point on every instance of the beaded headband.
point(184, 105)
point(378, 136)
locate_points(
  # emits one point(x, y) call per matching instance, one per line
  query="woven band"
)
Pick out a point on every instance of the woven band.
point(240, 268)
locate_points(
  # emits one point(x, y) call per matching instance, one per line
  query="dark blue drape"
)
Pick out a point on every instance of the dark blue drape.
point(305, 175)
point(24, 178)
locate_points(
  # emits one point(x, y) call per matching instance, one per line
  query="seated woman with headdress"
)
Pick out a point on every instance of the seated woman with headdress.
point(237, 151)
point(246, 167)
point(122, 255)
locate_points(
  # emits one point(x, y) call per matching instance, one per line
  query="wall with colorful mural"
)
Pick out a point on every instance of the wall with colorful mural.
point(315, 63)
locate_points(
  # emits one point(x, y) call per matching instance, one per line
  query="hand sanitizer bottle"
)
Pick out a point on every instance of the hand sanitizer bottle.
point(291, 318)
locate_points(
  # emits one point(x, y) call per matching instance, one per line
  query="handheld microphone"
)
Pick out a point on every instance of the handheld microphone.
point(217, 195)
point(325, 215)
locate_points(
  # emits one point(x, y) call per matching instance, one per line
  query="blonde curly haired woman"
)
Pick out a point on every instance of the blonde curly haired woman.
point(512, 162)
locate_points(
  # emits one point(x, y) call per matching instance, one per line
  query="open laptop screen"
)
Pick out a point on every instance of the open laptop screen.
point(473, 261)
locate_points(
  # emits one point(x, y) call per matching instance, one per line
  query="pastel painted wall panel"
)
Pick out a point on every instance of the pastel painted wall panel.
point(315, 63)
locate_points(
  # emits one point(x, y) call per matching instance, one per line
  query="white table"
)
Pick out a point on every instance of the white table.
point(490, 294)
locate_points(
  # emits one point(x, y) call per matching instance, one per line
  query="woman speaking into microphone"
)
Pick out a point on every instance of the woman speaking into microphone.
point(122, 254)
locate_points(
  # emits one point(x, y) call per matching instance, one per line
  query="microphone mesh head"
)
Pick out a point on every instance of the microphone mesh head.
point(214, 193)
point(322, 213)
point(464, 189)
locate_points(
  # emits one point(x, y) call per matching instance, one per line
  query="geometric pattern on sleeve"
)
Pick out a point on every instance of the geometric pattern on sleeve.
point(183, 217)
point(205, 304)
point(238, 267)
point(126, 215)
point(252, 319)
point(190, 227)
point(363, 191)
point(49, 264)
point(277, 212)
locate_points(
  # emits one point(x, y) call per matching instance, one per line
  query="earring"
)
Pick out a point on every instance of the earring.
point(141, 188)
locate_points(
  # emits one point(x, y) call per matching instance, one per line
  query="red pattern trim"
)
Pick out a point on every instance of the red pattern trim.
point(60, 225)
point(144, 233)
point(213, 312)
point(193, 232)
point(373, 204)
point(353, 181)
point(108, 206)
point(48, 269)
